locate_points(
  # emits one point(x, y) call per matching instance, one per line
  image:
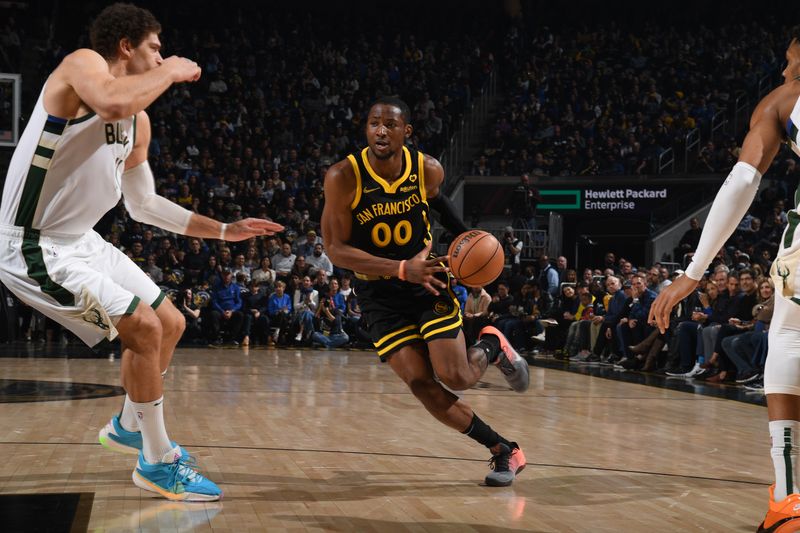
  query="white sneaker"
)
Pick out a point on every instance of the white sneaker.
point(695, 371)
point(539, 337)
point(298, 337)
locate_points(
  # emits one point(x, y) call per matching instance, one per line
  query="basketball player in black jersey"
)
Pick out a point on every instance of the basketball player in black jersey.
point(376, 223)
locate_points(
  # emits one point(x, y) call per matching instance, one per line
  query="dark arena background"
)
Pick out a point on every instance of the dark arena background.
point(590, 139)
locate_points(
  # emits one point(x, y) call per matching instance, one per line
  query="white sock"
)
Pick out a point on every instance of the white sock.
point(784, 453)
point(127, 418)
point(154, 435)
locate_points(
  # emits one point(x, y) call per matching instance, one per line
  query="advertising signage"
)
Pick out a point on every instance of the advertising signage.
point(619, 200)
point(616, 198)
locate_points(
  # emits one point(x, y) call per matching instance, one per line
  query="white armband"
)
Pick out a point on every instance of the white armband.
point(144, 205)
point(729, 207)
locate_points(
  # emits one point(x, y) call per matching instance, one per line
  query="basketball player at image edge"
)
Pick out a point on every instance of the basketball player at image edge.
point(84, 146)
point(774, 121)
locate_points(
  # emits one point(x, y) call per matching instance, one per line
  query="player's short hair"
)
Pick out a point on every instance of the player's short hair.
point(121, 21)
point(405, 111)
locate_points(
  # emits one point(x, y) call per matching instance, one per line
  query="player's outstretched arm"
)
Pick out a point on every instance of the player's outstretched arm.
point(83, 76)
point(144, 205)
point(337, 227)
point(731, 203)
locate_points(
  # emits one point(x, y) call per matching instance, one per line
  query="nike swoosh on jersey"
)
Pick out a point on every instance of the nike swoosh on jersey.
point(367, 191)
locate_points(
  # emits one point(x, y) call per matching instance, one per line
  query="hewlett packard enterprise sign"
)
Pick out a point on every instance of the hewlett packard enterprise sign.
point(623, 199)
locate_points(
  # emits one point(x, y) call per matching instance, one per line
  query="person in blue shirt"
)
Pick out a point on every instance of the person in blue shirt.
point(548, 277)
point(461, 293)
point(633, 327)
point(339, 300)
point(279, 311)
point(226, 307)
point(609, 319)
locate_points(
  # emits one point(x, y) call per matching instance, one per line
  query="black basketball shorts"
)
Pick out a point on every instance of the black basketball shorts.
point(399, 313)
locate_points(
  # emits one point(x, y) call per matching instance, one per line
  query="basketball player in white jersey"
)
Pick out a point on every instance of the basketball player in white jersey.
point(775, 120)
point(84, 146)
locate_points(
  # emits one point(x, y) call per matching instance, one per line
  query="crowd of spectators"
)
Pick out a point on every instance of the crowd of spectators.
point(718, 334)
point(275, 107)
point(610, 99)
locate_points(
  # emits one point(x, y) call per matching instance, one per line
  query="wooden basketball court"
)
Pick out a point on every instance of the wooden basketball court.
point(332, 441)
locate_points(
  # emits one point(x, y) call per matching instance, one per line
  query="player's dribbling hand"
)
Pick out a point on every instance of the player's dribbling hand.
point(420, 269)
point(250, 227)
point(669, 298)
point(182, 69)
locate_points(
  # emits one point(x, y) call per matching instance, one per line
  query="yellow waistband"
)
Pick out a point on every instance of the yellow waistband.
point(370, 277)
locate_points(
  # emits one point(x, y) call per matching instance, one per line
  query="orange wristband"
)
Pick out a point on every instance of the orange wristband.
point(401, 272)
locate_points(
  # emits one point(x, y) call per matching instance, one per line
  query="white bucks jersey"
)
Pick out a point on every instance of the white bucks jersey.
point(65, 174)
point(791, 236)
point(785, 270)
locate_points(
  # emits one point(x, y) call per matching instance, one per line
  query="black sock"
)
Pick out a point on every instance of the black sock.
point(481, 432)
point(490, 344)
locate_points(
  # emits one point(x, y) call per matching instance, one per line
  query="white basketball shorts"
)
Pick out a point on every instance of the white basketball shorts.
point(81, 282)
point(782, 372)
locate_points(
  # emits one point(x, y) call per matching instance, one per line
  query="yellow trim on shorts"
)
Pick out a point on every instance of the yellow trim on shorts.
point(392, 334)
point(444, 328)
point(426, 325)
point(358, 181)
point(455, 312)
point(382, 351)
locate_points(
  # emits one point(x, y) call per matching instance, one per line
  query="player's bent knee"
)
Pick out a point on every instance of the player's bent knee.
point(173, 323)
point(142, 331)
point(421, 387)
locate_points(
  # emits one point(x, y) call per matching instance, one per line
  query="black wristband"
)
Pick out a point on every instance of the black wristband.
point(447, 214)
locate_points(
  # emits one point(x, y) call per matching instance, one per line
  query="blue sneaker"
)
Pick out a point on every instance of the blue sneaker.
point(177, 480)
point(118, 439)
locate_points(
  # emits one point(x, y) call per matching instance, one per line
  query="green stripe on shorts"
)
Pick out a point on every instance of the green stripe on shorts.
point(791, 227)
point(132, 307)
point(158, 301)
point(37, 270)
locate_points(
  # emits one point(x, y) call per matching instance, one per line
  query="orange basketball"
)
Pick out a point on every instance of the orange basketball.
point(476, 258)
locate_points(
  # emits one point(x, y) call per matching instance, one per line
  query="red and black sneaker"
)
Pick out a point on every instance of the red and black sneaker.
point(513, 367)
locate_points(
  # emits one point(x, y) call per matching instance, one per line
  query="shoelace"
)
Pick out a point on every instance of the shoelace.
point(499, 462)
point(183, 470)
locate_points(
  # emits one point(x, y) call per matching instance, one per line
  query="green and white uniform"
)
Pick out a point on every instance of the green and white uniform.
point(64, 176)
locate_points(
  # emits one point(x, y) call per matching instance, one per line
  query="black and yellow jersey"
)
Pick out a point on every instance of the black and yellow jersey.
point(390, 220)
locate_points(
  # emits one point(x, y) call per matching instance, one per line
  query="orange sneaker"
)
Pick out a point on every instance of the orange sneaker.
point(506, 463)
point(783, 516)
point(513, 367)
